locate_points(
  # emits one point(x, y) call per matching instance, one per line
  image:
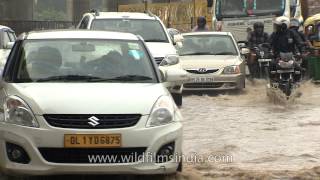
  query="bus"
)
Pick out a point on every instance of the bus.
point(237, 16)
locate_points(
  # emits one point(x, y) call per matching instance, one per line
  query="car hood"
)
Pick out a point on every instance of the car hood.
point(209, 61)
point(88, 98)
point(160, 49)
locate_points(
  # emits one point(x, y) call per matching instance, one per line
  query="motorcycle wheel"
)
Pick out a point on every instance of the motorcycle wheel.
point(287, 89)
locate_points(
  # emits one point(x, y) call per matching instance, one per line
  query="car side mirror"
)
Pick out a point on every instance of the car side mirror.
point(244, 51)
point(9, 45)
point(175, 75)
point(178, 39)
point(170, 60)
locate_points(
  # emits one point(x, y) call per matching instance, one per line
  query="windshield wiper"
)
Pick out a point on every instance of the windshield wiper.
point(128, 78)
point(225, 53)
point(197, 53)
point(155, 40)
point(68, 78)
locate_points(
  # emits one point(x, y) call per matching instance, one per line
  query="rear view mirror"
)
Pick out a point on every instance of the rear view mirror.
point(244, 51)
point(83, 47)
point(170, 60)
point(9, 45)
point(175, 75)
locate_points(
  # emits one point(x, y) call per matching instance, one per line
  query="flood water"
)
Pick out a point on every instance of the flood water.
point(260, 138)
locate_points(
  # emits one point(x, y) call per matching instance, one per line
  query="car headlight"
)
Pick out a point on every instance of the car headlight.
point(16, 111)
point(232, 70)
point(162, 112)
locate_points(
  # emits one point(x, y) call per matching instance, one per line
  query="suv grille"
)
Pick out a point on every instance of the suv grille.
point(158, 60)
point(81, 155)
point(82, 121)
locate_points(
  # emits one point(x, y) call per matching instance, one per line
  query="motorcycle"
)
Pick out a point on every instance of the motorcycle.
point(286, 75)
point(264, 57)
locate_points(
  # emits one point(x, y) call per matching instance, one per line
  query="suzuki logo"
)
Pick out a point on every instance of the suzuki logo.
point(93, 121)
point(202, 70)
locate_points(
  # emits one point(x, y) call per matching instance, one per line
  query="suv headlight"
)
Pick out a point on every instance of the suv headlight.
point(231, 70)
point(16, 111)
point(162, 113)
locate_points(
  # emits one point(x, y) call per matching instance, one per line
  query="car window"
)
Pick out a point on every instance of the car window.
point(6, 38)
point(12, 36)
point(207, 45)
point(150, 30)
point(84, 23)
point(103, 59)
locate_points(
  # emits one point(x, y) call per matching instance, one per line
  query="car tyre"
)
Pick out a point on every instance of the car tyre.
point(177, 99)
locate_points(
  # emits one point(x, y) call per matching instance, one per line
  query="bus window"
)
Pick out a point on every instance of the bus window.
point(230, 8)
point(263, 7)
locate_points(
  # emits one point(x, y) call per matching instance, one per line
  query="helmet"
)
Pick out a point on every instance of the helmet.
point(257, 25)
point(202, 21)
point(282, 20)
point(295, 23)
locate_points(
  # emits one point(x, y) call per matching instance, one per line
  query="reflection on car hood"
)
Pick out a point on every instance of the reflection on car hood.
point(160, 49)
point(209, 61)
point(88, 98)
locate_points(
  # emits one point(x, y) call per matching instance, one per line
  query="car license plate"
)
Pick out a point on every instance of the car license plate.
point(202, 79)
point(92, 140)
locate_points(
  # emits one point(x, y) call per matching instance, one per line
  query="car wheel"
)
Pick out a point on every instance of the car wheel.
point(177, 99)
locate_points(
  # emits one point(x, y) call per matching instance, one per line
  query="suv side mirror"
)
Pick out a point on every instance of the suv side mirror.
point(9, 45)
point(178, 39)
point(170, 60)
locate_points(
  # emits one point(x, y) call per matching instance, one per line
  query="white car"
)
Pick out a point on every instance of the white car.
point(213, 61)
point(7, 38)
point(87, 102)
point(148, 26)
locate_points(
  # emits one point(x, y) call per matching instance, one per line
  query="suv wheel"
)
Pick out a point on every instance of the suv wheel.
point(177, 99)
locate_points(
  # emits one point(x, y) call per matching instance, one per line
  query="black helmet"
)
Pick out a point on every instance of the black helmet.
point(257, 25)
point(202, 21)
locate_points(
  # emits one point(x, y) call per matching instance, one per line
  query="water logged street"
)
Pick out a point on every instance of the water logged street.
point(263, 139)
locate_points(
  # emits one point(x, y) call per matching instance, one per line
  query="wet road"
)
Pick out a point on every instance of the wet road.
point(265, 140)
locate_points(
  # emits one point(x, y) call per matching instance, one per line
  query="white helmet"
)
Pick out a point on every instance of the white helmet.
point(282, 20)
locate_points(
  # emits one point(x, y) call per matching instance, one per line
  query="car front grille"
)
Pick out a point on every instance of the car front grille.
point(202, 85)
point(82, 121)
point(87, 155)
point(195, 71)
point(158, 60)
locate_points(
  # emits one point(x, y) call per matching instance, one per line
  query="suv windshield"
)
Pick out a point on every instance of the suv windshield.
point(207, 45)
point(84, 61)
point(150, 30)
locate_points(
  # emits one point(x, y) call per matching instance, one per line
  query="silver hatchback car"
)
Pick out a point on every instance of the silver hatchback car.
point(87, 102)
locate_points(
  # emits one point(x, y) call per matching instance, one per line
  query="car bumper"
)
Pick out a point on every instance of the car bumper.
point(220, 82)
point(31, 139)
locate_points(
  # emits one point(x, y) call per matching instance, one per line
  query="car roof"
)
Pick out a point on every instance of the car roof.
point(208, 33)
point(79, 34)
point(121, 15)
point(5, 27)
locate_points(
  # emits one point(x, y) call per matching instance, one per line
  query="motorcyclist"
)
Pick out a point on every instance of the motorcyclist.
point(201, 24)
point(294, 27)
point(283, 40)
point(255, 38)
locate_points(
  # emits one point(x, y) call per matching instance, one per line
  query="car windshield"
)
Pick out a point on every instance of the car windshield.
point(150, 30)
point(235, 8)
point(84, 60)
point(207, 45)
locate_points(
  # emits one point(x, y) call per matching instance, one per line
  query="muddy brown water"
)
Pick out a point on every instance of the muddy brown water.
point(249, 135)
